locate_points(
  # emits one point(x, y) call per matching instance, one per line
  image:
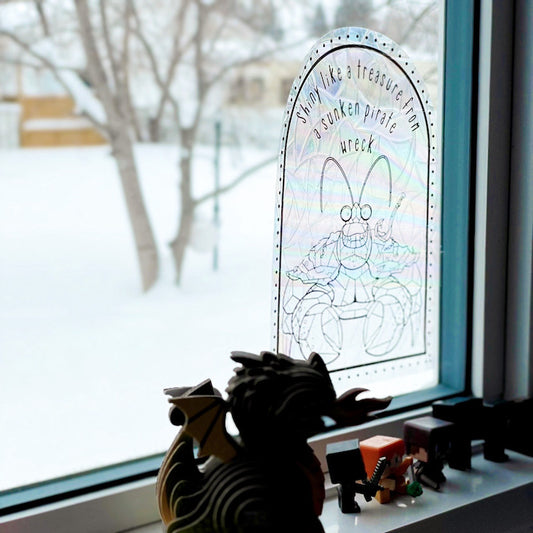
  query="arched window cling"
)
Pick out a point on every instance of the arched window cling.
point(358, 224)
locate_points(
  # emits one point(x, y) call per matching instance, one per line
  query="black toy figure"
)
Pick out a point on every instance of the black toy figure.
point(267, 478)
point(346, 467)
point(474, 419)
point(428, 440)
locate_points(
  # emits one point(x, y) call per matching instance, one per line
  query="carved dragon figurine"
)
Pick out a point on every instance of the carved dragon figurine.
point(267, 478)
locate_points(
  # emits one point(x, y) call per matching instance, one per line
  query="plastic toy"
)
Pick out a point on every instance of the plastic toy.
point(519, 412)
point(267, 478)
point(474, 420)
point(428, 439)
point(393, 479)
point(495, 418)
point(346, 467)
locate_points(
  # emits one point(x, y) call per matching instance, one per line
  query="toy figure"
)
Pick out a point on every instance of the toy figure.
point(267, 478)
point(393, 479)
point(427, 439)
point(474, 420)
point(520, 411)
point(346, 467)
point(495, 421)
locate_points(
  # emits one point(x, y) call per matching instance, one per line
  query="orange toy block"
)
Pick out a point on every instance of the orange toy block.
point(381, 446)
point(393, 449)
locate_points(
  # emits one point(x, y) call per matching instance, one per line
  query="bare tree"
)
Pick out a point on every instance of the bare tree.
point(181, 50)
point(114, 118)
point(204, 50)
point(114, 94)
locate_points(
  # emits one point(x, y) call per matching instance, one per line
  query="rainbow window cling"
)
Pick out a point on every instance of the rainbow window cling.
point(356, 268)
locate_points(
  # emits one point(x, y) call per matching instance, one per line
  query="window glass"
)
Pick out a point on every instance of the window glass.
point(357, 256)
point(122, 272)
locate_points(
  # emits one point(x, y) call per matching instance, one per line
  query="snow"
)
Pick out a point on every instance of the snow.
point(84, 354)
point(83, 95)
point(85, 100)
point(38, 124)
point(9, 124)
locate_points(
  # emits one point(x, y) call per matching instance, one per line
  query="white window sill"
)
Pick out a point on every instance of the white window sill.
point(492, 497)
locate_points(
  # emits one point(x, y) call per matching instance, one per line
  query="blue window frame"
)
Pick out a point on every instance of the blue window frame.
point(458, 135)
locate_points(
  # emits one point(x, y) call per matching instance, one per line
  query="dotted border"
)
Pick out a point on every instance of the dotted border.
point(338, 39)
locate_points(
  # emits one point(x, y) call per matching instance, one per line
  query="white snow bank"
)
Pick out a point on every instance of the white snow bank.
point(84, 354)
point(53, 124)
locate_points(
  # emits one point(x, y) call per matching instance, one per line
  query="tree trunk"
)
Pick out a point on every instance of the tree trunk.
point(187, 205)
point(118, 127)
point(142, 231)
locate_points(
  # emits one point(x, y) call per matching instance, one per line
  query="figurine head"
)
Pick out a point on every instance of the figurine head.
point(392, 448)
point(272, 395)
point(428, 438)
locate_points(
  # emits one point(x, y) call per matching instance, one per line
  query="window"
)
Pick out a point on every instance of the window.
point(255, 90)
point(357, 259)
point(120, 346)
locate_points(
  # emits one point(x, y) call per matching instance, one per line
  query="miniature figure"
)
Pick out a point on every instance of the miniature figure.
point(464, 412)
point(346, 467)
point(520, 411)
point(267, 478)
point(393, 479)
point(495, 422)
point(427, 439)
point(475, 420)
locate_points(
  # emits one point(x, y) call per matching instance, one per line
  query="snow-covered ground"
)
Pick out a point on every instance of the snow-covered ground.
point(84, 354)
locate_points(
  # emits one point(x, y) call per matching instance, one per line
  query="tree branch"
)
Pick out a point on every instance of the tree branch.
point(54, 69)
point(42, 17)
point(108, 45)
point(94, 62)
point(416, 20)
point(246, 61)
point(124, 78)
point(43, 60)
point(239, 179)
point(178, 49)
point(36, 64)
point(217, 34)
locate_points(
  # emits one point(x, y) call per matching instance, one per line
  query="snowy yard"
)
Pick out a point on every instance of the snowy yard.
point(84, 355)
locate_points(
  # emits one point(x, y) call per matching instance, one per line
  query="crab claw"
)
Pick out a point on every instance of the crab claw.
point(348, 411)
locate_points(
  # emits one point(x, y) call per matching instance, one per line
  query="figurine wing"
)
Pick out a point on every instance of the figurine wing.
point(205, 422)
point(349, 411)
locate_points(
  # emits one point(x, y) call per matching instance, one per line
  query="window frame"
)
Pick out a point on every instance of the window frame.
point(457, 14)
point(131, 485)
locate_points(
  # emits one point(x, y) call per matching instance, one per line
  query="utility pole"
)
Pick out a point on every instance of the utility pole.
point(216, 205)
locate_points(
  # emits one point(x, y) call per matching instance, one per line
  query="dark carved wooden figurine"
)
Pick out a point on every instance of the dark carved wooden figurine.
point(267, 478)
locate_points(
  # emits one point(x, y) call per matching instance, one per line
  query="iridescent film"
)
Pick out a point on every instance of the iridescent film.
point(357, 237)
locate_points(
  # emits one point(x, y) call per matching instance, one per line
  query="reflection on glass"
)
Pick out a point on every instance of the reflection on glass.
point(112, 187)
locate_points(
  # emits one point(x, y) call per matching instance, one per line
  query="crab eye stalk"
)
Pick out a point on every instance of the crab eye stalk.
point(366, 211)
point(346, 213)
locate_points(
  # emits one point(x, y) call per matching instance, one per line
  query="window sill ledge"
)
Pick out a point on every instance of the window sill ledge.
point(491, 497)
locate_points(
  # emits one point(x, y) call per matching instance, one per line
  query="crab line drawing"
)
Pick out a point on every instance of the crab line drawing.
point(358, 272)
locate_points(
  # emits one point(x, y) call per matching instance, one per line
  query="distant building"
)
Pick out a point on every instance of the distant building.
point(36, 111)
